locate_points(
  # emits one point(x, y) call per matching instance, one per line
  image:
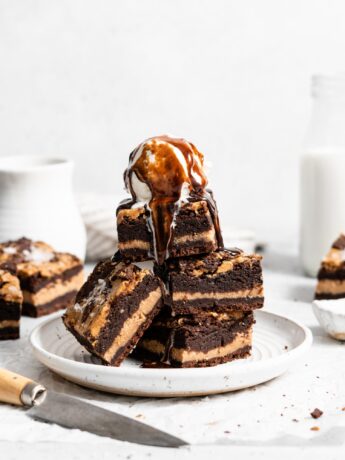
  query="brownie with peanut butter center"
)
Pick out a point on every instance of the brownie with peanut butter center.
point(204, 340)
point(331, 275)
point(49, 279)
point(113, 309)
point(193, 231)
point(11, 299)
point(221, 281)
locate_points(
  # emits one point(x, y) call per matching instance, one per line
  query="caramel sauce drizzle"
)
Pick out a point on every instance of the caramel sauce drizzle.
point(165, 177)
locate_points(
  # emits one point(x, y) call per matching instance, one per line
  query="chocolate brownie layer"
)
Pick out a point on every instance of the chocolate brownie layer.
point(37, 281)
point(329, 295)
point(114, 308)
point(331, 276)
point(11, 299)
point(9, 333)
point(148, 357)
point(9, 310)
point(193, 306)
point(339, 243)
point(193, 231)
point(58, 303)
point(227, 279)
point(331, 272)
point(53, 296)
point(193, 341)
point(48, 279)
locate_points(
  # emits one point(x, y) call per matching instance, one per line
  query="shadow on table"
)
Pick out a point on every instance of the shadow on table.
point(54, 382)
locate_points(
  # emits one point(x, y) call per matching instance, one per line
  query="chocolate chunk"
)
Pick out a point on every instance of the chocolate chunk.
point(339, 243)
point(316, 413)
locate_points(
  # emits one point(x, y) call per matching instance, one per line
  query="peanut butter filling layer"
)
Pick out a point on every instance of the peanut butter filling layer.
point(135, 244)
point(131, 213)
point(330, 286)
point(9, 323)
point(204, 236)
point(256, 292)
point(241, 340)
point(335, 257)
point(100, 299)
point(209, 235)
point(54, 290)
point(134, 323)
point(10, 289)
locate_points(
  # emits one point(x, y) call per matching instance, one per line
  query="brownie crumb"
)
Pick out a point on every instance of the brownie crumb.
point(315, 428)
point(295, 420)
point(316, 413)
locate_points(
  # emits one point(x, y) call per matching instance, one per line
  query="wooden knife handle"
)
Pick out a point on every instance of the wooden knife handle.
point(19, 390)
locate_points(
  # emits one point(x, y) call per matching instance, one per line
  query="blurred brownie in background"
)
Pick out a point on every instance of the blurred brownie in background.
point(331, 276)
point(11, 299)
point(48, 279)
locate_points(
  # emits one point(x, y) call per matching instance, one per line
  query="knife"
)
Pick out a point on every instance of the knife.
point(71, 412)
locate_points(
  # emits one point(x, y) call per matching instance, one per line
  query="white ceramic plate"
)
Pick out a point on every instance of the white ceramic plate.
point(278, 343)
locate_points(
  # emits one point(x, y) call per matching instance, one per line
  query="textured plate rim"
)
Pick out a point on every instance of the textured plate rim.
point(235, 366)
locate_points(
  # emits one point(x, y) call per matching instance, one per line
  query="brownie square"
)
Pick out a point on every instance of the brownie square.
point(114, 308)
point(11, 299)
point(197, 341)
point(222, 281)
point(331, 276)
point(193, 231)
point(49, 280)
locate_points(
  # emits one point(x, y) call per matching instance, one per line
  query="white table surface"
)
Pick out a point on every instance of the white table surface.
point(262, 422)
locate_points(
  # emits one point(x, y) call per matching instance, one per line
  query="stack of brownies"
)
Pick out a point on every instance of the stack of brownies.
point(35, 280)
point(192, 306)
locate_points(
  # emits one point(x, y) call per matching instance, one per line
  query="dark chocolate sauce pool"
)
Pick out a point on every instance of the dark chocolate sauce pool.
point(159, 166)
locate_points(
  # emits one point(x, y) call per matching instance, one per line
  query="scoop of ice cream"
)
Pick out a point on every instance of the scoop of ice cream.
point(165, 167)
point(164, 172)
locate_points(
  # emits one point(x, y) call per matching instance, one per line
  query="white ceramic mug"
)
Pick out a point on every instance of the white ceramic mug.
point(37, 201)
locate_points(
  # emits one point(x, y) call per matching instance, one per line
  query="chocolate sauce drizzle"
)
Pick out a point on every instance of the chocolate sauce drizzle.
point(165, 177)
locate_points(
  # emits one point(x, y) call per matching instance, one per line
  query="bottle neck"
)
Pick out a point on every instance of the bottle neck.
point(327, 125)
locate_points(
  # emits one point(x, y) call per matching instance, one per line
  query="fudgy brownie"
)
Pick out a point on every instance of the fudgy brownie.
point(49, 280)
point(197, 341)
point(11, 299)
point(193, 231)
point(114, 308)
point(331, 276)
point(221, 281)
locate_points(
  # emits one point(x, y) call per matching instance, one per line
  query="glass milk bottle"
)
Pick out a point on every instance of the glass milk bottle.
point(322, 187)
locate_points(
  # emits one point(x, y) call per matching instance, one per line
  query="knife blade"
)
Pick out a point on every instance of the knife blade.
point(71, 412)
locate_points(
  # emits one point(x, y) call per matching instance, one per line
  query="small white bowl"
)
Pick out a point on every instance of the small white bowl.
point(331, 316)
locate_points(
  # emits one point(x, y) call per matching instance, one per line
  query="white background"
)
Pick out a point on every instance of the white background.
point(91, 79)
